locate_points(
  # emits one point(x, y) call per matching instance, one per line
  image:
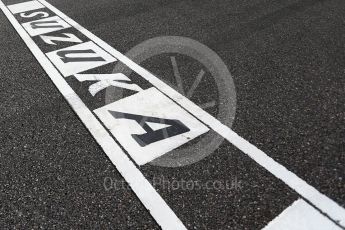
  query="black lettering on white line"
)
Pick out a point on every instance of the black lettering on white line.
point(148, 124)
point(172, 127)
point(34, 14)
point(106, 80)
point(150, 198)
point(45, 25)
point(323, 203)
point(78, 56)
point(67, 38)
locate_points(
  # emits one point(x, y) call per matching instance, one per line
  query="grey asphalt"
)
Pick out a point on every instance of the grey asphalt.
point(287, 63)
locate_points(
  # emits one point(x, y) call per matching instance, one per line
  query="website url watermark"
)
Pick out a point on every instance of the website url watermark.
point(173, 184)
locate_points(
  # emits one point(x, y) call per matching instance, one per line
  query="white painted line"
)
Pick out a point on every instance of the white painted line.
point(157, 207)
point(25, 6)
point(322, 202)
point(301, 216)
point(148, 103)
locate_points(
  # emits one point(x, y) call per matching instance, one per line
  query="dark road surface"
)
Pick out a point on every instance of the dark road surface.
point(287, 61)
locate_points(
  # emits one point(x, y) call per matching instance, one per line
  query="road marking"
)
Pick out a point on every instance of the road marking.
point(105, 80)
point(34, 14)
point(150, 106)
point(301, 216)
point(67, 38)
point(157, 207)
point(45, 25)
point(323, 203)
point(78, 58)
point(25, 6)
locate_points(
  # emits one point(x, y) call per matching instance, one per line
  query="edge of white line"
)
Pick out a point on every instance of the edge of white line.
point(300, 216)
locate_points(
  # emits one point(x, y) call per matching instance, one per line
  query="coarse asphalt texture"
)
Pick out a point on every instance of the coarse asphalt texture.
point(287, 60)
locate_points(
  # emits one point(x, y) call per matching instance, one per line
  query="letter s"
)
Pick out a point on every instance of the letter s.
point(31, 15)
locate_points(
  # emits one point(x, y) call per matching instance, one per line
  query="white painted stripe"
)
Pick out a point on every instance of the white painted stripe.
point(322, 202)
point(157, 207)
point(301, 216)
point(25, 6)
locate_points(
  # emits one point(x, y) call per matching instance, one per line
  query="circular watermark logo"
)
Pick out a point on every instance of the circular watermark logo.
point(196, 72)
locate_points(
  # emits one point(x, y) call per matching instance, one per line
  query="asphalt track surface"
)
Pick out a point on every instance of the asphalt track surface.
point(287, 59)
